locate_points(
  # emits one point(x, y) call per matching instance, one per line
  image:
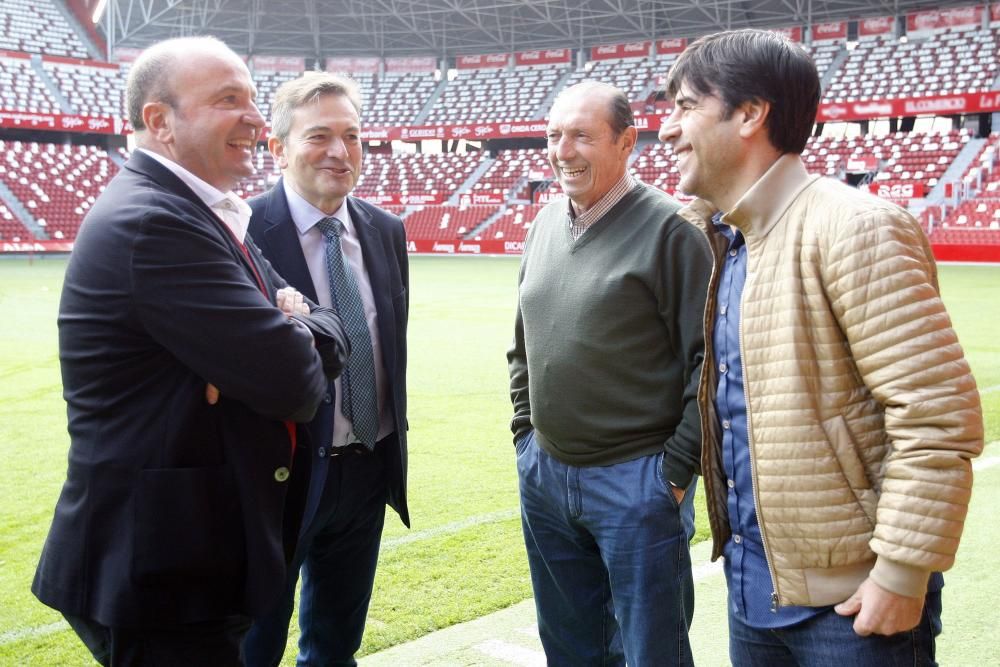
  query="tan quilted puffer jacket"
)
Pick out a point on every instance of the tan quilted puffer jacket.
point(862, 412)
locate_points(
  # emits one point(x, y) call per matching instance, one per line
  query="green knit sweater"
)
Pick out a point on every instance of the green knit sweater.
point(608, 340)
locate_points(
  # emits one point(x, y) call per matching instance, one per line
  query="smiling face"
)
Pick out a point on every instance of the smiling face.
point(321, 156)
point(707, 145)
point(586, 155)
point(213, 125)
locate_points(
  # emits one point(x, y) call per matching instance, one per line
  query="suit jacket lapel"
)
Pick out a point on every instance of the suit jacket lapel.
point(373, 250)
point(149, 167)
point(281, 240)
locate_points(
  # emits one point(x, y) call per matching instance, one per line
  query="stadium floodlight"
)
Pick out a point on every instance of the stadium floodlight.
point(98, 11)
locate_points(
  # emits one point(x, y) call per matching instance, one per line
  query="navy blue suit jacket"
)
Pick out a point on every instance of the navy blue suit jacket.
point(173, 510)
point(383, 245)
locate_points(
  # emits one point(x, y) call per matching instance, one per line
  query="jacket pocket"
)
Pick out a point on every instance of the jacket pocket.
point(187, 526)
point(851, 466)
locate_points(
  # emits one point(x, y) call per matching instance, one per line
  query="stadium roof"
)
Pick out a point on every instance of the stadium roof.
point(446, 28)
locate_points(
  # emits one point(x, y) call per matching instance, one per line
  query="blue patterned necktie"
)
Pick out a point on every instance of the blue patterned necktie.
point(358, 401)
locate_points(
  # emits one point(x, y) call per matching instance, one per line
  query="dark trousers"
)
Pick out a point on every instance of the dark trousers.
point(215, 643)
point(337, 554)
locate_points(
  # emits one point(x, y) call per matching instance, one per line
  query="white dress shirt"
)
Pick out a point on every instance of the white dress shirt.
point(232, 210)
point(313, 242)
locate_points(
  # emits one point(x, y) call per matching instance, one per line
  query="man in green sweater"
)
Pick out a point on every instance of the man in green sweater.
point(604, 369)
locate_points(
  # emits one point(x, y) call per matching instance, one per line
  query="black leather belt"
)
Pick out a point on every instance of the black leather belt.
point(350, 448)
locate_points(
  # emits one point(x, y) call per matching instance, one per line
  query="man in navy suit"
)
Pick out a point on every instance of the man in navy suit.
point(186, 362)
point(320, 239)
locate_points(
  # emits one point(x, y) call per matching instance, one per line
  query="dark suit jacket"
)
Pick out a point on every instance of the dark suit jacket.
point(174, 510)
point(383, 245)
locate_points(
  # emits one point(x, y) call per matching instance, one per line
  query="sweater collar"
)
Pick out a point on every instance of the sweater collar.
point(766, 201)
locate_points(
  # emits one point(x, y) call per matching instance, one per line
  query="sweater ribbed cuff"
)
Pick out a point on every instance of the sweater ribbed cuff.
point(900, 578)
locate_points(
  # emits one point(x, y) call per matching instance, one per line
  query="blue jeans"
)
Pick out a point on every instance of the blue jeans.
point(828, 640)
point(609, 560)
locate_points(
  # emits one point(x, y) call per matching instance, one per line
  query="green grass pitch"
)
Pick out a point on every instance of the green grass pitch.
point(464, 556)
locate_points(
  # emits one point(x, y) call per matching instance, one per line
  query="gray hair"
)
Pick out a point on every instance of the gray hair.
point(301, 91)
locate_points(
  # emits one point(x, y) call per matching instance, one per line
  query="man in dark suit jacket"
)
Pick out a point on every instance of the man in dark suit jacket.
point(316, 140)
point(181, 506)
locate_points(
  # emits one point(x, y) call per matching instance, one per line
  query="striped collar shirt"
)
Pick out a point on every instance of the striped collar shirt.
point(578, 224)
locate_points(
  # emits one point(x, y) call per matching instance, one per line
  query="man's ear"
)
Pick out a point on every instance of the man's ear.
point(631, 136)
point(754, 114)
point(156, 116)
point(277, 151)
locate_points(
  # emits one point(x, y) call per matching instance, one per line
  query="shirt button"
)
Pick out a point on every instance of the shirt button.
point(725, 424)
point(281, 474)
point(327, 398)
point(737, 539)
point(723, 308)
point(723, 367)
point(321, 452)
point(732, 253)
point(730, 483)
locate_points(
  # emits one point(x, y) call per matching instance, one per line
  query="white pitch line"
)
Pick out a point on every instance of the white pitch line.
point(449, 528)
point(990, 390)
point(32, 633)
point(511, 653)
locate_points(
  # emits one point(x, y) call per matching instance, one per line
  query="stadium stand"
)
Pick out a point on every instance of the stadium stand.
point(657, 166)
point(90, 91)
point(22, 90)
point(396, 98)
point(267, 83)
point(496, 94)
point(11, 227)
point(445, 222)
point(57, 184)
point(54, 184)
point(406, 174)
point(633, 75)
point(513, 224)
point(37, 26)
point(511, 168)
point(952, 62)
point(901, 157)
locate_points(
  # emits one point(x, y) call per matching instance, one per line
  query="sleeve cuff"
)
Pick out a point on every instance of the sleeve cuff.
point(676, 472)
point(900, 578)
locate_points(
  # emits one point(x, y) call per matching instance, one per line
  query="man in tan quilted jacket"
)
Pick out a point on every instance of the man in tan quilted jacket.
point(839, 415)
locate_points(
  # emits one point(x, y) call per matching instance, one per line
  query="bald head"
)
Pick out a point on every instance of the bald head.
point(151, 76)
point(590, 92)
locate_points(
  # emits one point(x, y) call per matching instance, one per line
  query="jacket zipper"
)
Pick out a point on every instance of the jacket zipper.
point(753, 467)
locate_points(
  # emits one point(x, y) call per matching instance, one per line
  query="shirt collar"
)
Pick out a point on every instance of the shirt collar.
point(305, 215)
point(604, 204)
point(766, 201)
point(232, 210)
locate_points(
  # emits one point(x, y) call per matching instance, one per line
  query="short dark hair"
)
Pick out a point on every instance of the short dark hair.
point(738, 66)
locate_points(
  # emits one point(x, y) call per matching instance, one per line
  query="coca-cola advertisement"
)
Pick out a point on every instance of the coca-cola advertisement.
point(671, 46)
point(829, 32)
point(483, 61)
point(278, 64)
point(411, 64)
point(876, 27)
point(938, 20)
point(619, 51)
point(793, 33)
point(543, 57)
point(352, 65)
